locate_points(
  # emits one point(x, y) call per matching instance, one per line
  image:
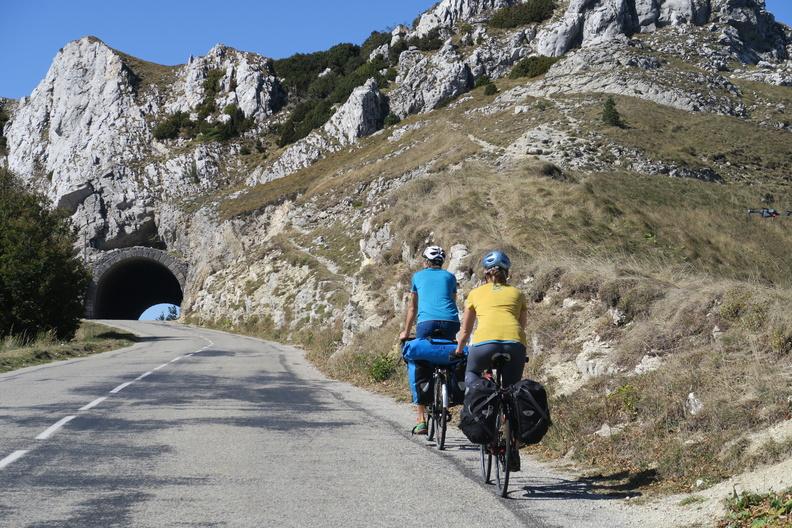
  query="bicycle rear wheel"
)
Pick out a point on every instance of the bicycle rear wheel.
point(441, 418)
point(486, 464)
point(504, 454)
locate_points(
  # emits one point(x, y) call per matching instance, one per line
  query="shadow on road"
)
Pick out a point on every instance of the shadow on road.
point(599, 487)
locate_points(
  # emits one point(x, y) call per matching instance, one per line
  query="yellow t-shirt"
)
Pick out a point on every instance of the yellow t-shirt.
point(498, 308)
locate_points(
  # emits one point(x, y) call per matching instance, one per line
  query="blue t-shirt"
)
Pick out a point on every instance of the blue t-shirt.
point(436, 289)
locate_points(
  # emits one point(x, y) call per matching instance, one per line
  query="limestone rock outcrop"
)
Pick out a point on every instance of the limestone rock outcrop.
point(449, 12)
point(360, 116)
point(588, 22)
point(247, 80)
point(425, 82)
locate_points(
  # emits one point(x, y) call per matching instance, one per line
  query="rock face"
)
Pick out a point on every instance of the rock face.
point(425, 82)
point(449, 12)
point(84, 134)
point(362, 115)
point(248, 81)
point(588, 22)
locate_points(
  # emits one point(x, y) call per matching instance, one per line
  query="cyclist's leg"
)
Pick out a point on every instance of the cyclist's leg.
point(420, 410)
point(513, 370)
point(479, 359)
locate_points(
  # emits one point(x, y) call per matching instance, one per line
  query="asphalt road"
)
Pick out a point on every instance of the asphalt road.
point(199, 428)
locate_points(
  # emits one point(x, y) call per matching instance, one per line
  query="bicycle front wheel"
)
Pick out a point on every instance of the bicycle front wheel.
point(504, 455)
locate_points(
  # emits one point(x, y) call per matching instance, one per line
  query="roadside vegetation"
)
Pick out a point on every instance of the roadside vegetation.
point(90, 338)
point(750, 510)
point(42, 282)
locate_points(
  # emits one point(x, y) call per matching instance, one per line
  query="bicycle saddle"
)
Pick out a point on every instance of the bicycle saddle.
point(500, 358)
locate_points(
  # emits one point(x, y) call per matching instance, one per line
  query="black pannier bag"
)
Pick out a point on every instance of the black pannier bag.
point(424, 382)
point(533, 413)
point(456, 383)
point(478, 419)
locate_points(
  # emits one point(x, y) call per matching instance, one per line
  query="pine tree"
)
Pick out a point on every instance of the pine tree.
point(610, 115)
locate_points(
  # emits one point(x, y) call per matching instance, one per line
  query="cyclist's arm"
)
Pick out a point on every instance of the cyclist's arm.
point(524, 317)
point(467, 327)
point(409, 319)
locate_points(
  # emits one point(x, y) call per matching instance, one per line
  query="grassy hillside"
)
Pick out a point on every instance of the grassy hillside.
point(701, 291)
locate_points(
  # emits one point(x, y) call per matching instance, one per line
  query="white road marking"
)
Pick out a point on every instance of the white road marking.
point(54, 427)
point(13, 457)
point(144, 375)
point(174, 360)
point(161, 366)
point(121, 387)
point(93, 404)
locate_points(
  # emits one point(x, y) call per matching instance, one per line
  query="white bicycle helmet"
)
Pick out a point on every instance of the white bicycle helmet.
point(434, 254)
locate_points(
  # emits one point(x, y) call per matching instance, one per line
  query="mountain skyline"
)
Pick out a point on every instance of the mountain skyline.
point(270, 29)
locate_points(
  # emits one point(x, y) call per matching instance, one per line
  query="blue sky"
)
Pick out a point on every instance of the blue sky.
point(168, 31)
point(153, 313)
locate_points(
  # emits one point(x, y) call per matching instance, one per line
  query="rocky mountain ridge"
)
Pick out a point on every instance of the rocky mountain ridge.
point(86, 134)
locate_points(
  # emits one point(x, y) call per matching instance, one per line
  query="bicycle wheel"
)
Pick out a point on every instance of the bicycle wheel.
point(503, 457)
point(442, 417)
point(486, 464)
point(431, 411)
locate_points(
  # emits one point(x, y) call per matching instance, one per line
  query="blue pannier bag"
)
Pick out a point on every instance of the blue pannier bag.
point(434, 351)
point(421, 355)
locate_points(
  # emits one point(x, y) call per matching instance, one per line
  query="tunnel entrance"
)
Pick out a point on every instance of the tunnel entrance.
point(126, 290)
point(128, 281)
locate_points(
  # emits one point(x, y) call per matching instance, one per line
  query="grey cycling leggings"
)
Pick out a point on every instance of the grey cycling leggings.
point(480, 359)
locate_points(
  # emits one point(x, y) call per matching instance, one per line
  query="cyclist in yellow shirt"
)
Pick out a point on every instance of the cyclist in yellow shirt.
point(502, 313)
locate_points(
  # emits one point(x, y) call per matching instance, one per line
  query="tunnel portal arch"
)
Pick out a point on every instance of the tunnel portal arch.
point(127, 281)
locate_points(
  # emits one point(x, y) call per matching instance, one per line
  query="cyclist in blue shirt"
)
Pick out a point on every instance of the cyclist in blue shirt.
point(433, 300)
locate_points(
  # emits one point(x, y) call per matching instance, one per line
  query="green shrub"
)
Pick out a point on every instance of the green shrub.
point(429, 42)
point(610, 115)
point(484, 80)
point(234, 127)
point(382, 367)
point(532, 11)
point(532, 67)
point(376, 40)
point(42, 284)
point(392, 119)
point(175, 125)
point(490, 89)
